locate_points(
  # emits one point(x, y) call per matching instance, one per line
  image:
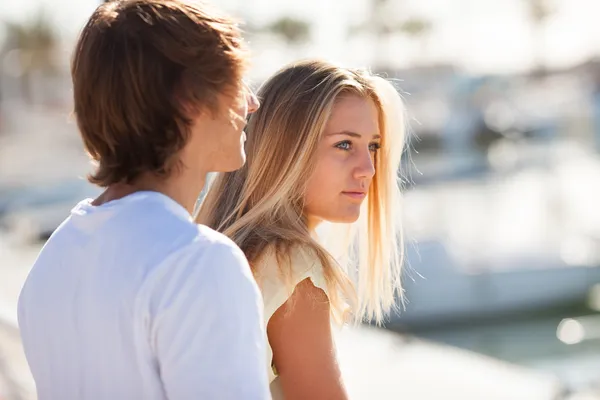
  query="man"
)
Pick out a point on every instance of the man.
point(129, 299)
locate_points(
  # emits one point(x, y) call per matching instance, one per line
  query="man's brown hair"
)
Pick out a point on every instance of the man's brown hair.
point(142, 69)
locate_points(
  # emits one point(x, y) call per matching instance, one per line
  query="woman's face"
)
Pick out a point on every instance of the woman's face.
point(344, 163)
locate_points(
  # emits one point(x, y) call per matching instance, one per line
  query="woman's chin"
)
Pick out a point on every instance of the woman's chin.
point(344, 218)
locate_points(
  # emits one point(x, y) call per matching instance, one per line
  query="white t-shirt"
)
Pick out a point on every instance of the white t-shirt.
point(132, 300)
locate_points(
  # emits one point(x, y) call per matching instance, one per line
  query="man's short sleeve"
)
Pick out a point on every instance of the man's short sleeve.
point(207, 329)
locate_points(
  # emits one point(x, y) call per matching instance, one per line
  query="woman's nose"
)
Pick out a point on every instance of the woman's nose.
point(366, 167)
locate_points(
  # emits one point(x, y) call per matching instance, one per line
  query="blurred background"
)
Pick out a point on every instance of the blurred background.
point(501, 176)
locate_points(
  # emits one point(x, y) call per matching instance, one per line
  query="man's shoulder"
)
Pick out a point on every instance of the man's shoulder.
point(210, 253)
point(218, 252)
point(209, 264)
point(208, 236)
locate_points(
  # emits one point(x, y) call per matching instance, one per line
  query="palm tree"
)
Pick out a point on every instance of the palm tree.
point(538, 12)
point(33, 44)
point(290, 30)
point(383, 25)
point(293, 31)
point(418, 29)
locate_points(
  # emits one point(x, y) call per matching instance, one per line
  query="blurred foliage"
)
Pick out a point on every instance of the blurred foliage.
point(291, 30)
point(383, 23)
point(416, 27)
point(538, 12)
point(30, 48)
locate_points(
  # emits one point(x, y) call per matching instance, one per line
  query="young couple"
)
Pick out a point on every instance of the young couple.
point(133, 298)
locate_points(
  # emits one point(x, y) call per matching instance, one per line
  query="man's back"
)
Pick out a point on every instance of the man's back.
point(130, 300)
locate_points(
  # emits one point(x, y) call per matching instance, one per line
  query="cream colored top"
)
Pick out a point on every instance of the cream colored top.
point(277, 288)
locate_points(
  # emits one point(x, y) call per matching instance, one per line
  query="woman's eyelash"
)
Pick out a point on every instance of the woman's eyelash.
point(341, 145)
point(347, 145)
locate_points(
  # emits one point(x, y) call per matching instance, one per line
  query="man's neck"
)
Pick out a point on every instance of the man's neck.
point(182, 188)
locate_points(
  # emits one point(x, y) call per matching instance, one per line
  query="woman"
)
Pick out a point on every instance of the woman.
point(325, 146)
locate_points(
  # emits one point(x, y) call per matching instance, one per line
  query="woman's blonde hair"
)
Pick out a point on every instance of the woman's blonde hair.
point(261, 205)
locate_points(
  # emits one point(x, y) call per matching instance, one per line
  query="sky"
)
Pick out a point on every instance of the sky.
point(482, 36)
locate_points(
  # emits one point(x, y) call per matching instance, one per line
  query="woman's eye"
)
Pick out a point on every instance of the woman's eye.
point(373, 147)
point(345, 145)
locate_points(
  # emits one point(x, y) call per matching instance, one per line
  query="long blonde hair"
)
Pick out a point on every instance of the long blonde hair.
point(262, 204)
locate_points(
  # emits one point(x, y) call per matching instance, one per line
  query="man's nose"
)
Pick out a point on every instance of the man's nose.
point(253, 103)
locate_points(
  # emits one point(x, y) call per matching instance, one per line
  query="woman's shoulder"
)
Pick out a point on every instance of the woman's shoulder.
point(278, 274)
point(285, 265)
